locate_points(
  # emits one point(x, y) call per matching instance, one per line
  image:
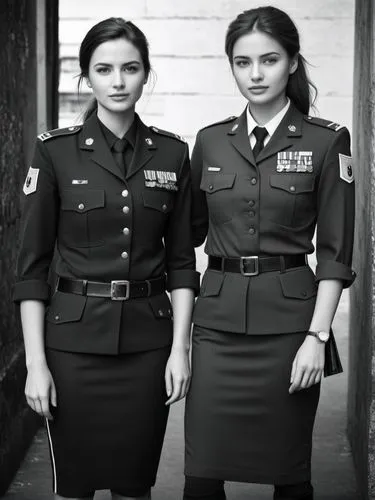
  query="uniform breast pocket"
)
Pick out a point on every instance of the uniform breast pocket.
point(219, 194)
point(81, 217)
point(292, 199)
point(159, 200)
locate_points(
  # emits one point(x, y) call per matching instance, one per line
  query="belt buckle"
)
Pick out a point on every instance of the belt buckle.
point(115, 292)
point(255, 260)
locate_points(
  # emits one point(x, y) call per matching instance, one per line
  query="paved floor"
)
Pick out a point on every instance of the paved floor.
point(332, 463)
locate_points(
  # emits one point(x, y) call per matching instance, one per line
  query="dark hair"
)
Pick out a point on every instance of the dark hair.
point(110, 29)
point(277, 24)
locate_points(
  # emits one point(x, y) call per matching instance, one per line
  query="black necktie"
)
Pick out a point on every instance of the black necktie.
point(260, 134)
point(118, 153)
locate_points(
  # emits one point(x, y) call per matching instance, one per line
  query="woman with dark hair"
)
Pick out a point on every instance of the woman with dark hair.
point(262, 183)
point(108, 203)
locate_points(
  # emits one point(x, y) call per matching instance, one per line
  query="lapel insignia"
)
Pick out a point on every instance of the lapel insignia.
point(346, 168)
point(89, 141)
point(294, 161)
point(161, 179)
point(292, 128)
point(235, 127)
point(149, 141)
point(31, 181)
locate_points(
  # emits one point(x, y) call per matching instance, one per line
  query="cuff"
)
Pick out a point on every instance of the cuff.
point(331, 269)
point(31, 290)
point(183, 278)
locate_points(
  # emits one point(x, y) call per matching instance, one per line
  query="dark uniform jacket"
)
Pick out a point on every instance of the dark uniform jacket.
point(105, 227)
point(302, 180)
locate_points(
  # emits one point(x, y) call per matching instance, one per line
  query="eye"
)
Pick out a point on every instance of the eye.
point(103, 70)
point(270, 60)
point(131, 69)
point(242, 63)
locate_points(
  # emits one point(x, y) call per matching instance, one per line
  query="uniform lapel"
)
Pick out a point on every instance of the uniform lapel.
point(92, 139)
point(144, 150)
point(240, 139)
point(290, 127)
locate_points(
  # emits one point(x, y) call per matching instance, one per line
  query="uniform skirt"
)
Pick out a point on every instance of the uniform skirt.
point(241, 423)
point(110, 420)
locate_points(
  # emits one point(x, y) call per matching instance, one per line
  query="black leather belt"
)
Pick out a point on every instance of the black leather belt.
point(254, 265)
point(115, 290)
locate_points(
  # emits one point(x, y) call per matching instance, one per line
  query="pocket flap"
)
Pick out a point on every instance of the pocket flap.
point(65, 308)
point(158, 200)
point(293, 183)
point(82, 200)
point(161, 306)
point(215, 182)
point(298, 283)
point(211, 283)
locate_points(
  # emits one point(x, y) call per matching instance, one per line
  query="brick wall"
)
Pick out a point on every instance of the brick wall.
point(194, 85)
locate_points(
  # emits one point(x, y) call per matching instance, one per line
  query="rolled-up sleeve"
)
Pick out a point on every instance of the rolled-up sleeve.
point(199, 208)
point(38, 230)
point(336, 206)
point(180, 255)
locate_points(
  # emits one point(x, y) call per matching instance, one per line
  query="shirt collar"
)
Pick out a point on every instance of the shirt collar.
point(272, 125)
point(111, 138)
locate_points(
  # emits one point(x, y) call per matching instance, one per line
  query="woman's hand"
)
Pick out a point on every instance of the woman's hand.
point(308, 364)
point(177, 375)
point(40, 390)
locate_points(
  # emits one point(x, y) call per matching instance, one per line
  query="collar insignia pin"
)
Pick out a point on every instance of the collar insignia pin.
point(89, 141)
point(149, 141)
point(235, 127)
point(292, 128)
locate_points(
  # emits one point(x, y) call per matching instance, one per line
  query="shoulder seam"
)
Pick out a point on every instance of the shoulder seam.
point(226, 120)
point(166, 133)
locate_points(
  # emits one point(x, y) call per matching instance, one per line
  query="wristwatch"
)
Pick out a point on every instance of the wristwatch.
point(321, 335)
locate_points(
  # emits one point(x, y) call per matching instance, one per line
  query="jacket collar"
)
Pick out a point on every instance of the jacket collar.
point(92, 139)
point(289, 127)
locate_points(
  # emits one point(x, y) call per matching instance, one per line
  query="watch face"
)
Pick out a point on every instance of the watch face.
point(323, 336)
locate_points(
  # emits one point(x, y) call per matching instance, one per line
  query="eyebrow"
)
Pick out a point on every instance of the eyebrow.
point(262, 55)
point(109, 64)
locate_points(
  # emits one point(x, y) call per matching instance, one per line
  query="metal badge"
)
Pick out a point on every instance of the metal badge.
point(89, 141)
point(292, 128)
point(235, 127)
point(149, 141)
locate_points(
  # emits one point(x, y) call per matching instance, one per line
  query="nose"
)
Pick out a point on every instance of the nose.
point(118, 79)
point(256, 74)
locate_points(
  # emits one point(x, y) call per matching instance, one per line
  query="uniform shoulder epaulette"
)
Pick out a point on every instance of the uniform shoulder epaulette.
point(324, 123)
point(227, 120)
point(57, 132)
point(167, 134)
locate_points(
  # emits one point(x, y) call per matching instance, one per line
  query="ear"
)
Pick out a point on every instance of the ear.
point(88, 83)
point(293, 64)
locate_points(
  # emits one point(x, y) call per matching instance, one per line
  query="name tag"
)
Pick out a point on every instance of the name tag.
point(294, 161)
point(214, 169)
point(80, 181)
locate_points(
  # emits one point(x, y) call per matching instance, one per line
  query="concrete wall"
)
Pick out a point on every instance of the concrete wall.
point(20, 110)
point(194, 84)
point(361, 401)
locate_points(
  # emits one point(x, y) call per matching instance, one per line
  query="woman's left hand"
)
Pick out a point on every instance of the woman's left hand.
point(308, 364)
point(177, 375)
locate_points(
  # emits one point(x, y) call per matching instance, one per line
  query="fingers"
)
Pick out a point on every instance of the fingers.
point(304, 378)
point(53, 395)
point(179, 386)
point(168, 382)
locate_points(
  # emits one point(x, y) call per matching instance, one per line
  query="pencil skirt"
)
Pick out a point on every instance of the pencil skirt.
point(109, 424)
point(241, 423)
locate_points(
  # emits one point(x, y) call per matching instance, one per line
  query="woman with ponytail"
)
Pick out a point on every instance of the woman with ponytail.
point(262, 184)
point(107, 210)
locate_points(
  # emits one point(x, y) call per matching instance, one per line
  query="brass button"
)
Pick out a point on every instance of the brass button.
point(124, 255)
point(210, 187)
point(252, 230)
point(126, 231)
point(164, 207)
point(126, 210)
point(251, 213)
point(251, 203)
point(57, 317)
point(125, 193)
point(81, 206)
point(254, 181)
point(160, 312)
point(292, 188)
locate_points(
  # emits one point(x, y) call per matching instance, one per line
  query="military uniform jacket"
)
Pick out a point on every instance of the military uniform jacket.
point(106, 227)
point(302, 180)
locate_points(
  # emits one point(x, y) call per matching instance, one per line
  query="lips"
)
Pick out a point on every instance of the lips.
point(260, 87)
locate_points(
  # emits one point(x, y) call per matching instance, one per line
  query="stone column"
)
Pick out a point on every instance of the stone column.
point(21, 61)
point(361, 397)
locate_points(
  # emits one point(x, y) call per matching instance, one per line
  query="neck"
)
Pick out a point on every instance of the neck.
point(262, 113)
point(118, 123)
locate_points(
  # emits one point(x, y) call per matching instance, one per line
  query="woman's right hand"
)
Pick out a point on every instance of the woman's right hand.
point(40, 390)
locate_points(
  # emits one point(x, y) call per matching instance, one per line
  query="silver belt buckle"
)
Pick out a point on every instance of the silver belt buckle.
point(115, 290)
point(255, 260)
